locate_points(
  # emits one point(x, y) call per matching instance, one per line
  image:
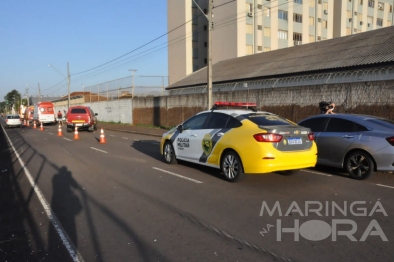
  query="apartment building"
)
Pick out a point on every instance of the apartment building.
point(246, 27)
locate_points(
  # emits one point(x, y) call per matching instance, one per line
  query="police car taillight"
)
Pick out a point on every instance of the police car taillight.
point(311, 136)
point(390, 140)
point(267, 137)
point(235, 104)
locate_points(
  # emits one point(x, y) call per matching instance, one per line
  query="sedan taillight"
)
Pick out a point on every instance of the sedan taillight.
point(390, 140)
point(311, 136)
point(267, 137)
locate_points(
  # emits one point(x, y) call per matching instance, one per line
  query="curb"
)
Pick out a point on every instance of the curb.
point(134, 132)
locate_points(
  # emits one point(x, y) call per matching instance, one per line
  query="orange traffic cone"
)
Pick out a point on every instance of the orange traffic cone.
point(76, 136)
point(34, 125)
point(59, 131)
point(102, 137)
point(41, 127)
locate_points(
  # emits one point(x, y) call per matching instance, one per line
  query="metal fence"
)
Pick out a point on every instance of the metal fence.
point(123, 88)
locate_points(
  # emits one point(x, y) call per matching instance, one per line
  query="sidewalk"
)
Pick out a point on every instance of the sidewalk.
point(152, 131)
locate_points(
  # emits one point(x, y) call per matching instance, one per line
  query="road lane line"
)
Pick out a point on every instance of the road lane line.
point(385, 186)
point(99, 150)
point(67, 139)
point(318, 173)
point(112, 135)
point(50, 214)
point(125, 138)
point(174, 174)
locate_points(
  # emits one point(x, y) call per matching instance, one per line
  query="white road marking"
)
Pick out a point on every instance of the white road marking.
point(50, 133)
point(67, 139)
point(318, 173)
point(50, 214)
point(99, 150)
point(112, 135)
point(385, 186)
point(67, 152)
point(174, 174)
point(125, 138)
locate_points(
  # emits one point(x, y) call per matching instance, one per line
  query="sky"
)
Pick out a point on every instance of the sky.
point(100, 39)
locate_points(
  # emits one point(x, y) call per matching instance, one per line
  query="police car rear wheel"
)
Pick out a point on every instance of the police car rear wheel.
point(231, 167)
point(169, 153)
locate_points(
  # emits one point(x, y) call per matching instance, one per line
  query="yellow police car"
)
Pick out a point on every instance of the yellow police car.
point(240, 141)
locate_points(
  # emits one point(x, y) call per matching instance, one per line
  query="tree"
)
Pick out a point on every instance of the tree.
point(13, 99)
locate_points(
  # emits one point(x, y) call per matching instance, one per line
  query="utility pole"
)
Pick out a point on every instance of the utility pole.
point(132, 82)
point(68, 83)
point(209, 51)
point(39, 93)
point(209, 64)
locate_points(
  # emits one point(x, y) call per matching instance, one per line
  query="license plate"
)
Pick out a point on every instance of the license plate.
point(78, 121)
point(294, 141)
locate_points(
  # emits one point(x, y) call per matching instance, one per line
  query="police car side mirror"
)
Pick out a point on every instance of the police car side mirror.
point(179, 128)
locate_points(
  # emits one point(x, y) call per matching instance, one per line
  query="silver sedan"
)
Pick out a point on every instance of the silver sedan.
point(361, 144)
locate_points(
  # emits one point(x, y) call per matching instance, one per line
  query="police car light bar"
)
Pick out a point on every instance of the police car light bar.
point(235, 104)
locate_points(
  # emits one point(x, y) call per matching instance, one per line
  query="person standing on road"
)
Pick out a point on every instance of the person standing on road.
point(60, 117)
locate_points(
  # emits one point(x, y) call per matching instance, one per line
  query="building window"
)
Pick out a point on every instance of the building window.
point(380, 6)
point(297, 37)
point(297, 18)
point(282, 15)
point(259, 48)
point(249, 7)
point(298, 1)
point(391, 9)
point(259, 27)
point(266, 49)
point(260, 7)
point(325, 24)
point(205, 28)
point(371, 3)
point(249, 29)
point(318, 38)
point(311, 20)
point(205, 44)
point(361, 2)
point(267, 31)
point(355, 30)
point(205, 61)
point(282, 34)
point(249, 49)
point(319, 2)
point(266, 11)
point(379, 22)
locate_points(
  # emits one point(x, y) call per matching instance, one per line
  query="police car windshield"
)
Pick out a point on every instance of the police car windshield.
point(262, 119)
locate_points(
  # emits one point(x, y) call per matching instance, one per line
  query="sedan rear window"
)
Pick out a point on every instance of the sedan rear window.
point(267, 120)
point(78, 111)
point(13, 117)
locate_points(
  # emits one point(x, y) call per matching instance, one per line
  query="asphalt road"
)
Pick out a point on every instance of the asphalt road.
point(79, 200)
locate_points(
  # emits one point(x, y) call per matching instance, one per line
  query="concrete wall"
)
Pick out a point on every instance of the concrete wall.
point(294, 103)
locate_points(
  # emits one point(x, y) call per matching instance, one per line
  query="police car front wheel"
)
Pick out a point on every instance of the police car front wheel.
point(231, 166)
point(169, 153)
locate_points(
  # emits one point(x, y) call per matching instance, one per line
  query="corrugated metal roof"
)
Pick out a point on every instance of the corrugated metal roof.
point(369, 48)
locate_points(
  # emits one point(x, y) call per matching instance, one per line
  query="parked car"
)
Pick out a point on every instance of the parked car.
point(13, 120)
point(81, 117)
point(361, 144)
point(240, 141)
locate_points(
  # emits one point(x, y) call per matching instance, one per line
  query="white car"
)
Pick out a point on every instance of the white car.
point(12, 121)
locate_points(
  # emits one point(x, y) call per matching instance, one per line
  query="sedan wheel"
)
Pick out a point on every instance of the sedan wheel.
point(359, 165)
point(169, 153)
point(232, 167)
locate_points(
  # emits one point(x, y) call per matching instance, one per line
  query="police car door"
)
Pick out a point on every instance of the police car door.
point(186, 143)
